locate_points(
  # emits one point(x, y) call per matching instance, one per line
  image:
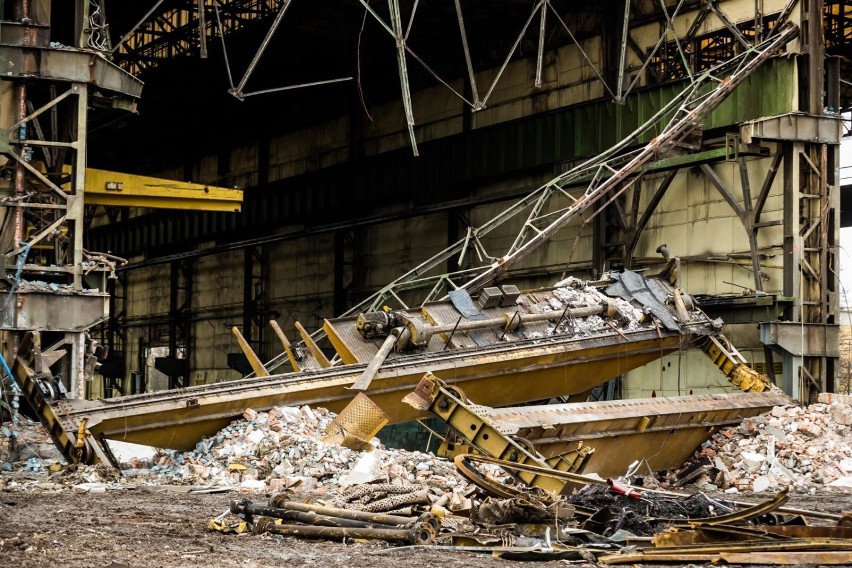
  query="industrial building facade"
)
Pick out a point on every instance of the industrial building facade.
point(368, 141)
point(337, 208)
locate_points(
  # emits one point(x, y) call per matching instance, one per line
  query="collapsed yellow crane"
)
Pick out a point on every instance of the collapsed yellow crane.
point(509, 348)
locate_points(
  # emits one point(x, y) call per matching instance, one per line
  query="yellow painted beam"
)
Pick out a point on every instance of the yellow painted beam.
point(286, 343)
point(117, 189)
point(253, 359)
point(313, 347)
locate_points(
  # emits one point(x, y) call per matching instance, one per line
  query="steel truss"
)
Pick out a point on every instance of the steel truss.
point(179, 30)
point(551, 207)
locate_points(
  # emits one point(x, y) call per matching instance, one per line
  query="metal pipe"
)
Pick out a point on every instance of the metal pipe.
point(248, 508)
point(363, 382)
point(19, 166)
point(396, 22)
point(280, 501)
point(521, 318)
point(619, 89)
point(420, 533)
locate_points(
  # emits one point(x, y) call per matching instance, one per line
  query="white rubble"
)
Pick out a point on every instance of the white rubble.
point(279, 449)
point(807, 449)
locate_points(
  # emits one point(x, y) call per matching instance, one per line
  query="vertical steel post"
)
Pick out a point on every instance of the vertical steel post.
point(540, 54)
point(75, 197)
point(396, 24)
point(619, 89)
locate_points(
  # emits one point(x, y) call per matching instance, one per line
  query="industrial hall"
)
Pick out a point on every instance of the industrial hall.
point(400, 282)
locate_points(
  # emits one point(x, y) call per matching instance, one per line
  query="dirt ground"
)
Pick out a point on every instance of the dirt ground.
point(166, 526)
point(162, 526)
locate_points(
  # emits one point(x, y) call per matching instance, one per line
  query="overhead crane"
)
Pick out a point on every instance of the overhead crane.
point(505, 349)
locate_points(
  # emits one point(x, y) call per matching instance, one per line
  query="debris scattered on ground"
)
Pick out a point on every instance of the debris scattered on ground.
point(321, 490)
point(26, 448)
point(807, 449)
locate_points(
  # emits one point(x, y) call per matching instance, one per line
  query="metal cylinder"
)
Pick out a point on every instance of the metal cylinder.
point(19, 167)
point(419, 533)
point(309, 518)
point(363, 382)
point(280, 501)
point(512, 321)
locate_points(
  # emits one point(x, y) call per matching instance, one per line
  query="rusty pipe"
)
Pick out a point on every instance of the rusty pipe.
point(418, 534)
point(249, 509)
point(19, 167)
point(280, 501)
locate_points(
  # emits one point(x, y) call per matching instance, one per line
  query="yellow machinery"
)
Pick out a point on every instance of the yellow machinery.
point(129, 190)
point(501, 348)
point(508, 349)
point(603, 437)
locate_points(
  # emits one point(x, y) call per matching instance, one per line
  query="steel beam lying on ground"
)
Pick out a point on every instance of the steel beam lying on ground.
point(664, 431)
point(517, 372)
point(509, 348)
point(603, 438)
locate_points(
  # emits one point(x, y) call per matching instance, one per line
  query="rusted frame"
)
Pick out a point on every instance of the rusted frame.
point(723, 191)
point(536, 202)
point(748, 223)
point(766, 187)
point(687, 106)
point(656, 48)
point(670, 28)
point(22, 243)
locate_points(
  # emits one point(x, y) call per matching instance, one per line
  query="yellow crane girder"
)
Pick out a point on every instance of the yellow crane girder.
point(117, 189)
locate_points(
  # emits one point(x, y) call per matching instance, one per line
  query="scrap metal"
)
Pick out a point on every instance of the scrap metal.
point(282, 501)
point(607, 429)
point(420, 533)
point(512, 341)
point(328, 516)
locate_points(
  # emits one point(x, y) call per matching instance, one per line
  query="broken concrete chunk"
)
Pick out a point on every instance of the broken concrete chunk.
point(841, 413)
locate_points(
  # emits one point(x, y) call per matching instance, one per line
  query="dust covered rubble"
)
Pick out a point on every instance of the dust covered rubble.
point(575, 293)
point(263, 452)
point(807, 449)
point(272, 451)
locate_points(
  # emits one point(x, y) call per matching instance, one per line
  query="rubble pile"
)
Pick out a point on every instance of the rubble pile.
point(575, 293)
point(276, 450)
point(805, 449)
point(26, 447)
